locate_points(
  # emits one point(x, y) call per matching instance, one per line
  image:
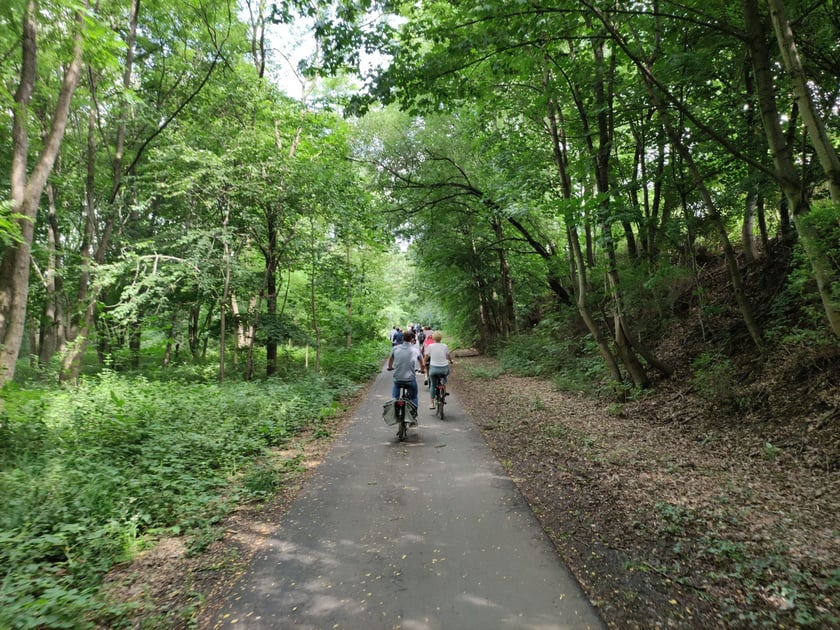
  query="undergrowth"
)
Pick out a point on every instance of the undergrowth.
point(556, 350)
point(92, 474)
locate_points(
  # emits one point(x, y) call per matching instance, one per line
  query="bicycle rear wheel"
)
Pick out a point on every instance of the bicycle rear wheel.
point(402, 424)
point(440, 401)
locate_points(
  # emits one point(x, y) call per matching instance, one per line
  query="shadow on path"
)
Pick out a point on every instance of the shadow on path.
point(420, 535)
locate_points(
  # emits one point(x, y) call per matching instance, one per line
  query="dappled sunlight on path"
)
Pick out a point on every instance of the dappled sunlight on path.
point(427, 534)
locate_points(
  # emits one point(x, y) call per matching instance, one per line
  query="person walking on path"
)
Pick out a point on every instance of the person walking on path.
point(403, 360)
point(439, 360)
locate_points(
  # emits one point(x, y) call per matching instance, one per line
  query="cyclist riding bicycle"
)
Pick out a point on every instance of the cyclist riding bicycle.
point(404, 358)
point(439, 361)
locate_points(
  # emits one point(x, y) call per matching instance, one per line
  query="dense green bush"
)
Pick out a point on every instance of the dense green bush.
point(92, 473)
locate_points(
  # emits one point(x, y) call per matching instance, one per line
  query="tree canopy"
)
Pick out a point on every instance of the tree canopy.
point(534, 158)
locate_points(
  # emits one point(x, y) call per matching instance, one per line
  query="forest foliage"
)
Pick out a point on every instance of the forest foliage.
point(546, 181)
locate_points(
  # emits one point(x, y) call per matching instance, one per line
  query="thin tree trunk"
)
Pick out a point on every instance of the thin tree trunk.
point(349, 295)
point(485, 332)
point(241, 333)
point(254, 307)
point(508, 316)
point(583, 307)
point(575, 252)
point(601, 155)
point(748, 225)
point(192, 329)
point(762, 224)
point(208, 319)
point(170, 339)
point(79, 334)
point(313, 307)
point(82, 322)
point(225, 294)
point(270, 284)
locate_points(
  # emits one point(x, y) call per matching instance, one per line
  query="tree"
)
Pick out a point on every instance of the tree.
point(27, 188)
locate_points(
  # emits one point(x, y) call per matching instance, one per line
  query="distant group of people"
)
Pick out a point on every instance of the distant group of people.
point(418, 345)
point(420, 334)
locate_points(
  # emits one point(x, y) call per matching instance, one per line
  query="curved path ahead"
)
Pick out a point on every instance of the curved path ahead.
point(426, 534)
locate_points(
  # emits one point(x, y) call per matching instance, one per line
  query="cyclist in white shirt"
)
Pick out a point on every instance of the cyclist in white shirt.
point(439, 361)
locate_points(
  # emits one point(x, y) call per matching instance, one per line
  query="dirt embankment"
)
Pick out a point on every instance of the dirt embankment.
point(669, 518)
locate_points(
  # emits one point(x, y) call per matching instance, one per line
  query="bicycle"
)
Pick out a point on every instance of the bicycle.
point(401, 403)
point(440, 396)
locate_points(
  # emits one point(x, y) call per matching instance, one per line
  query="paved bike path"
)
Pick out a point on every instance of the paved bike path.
point(421, 535)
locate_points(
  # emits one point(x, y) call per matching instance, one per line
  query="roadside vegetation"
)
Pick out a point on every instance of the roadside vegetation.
point(94, 473)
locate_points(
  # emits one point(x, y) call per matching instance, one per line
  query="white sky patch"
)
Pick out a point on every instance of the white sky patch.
point(289, 44)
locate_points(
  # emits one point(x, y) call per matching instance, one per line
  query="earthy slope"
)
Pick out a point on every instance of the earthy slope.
point(666, 520)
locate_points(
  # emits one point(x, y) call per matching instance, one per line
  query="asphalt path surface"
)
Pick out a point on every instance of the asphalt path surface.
point(425, 534)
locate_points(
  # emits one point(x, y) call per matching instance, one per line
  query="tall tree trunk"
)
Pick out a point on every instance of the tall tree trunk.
point(79, 332)
point(748, 225)
point(81, 323)
point(508, 315)
point(762, 223)
point(575, 252)
point(225, 293)
point(485, 330)
point(254, 307)
point(52, 327)
point(26, 191)
point(601, 157)
point(825, 272)
point(170, 339)
point(270, 283)
point(241, 332)
point(820, 139)
point(192, 329)
point(751, 201)
point(583, 308)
